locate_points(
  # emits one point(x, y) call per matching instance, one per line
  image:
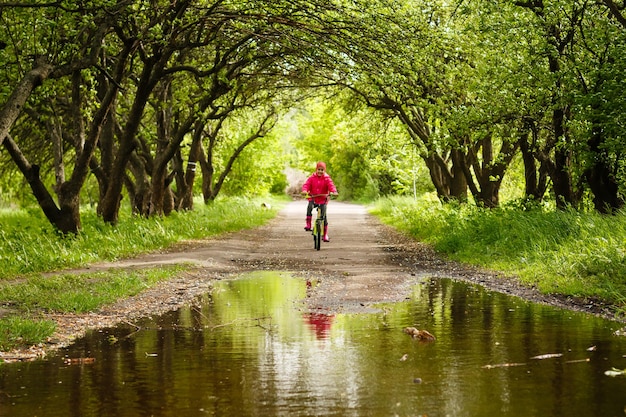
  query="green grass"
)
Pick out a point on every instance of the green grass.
point(28, 244)
point(66, 293)
point(80, 293)
point(18, 331)
point(29, 247)
point(567, 252)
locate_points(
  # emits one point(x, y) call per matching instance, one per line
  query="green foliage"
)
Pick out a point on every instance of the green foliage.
point(454, 74)
point(258, 169)
point(566, 252)
point(366, 156)
point(29, 244)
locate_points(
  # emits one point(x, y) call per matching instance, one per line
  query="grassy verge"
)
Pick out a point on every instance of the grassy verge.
point(66, 293)
point(28, 243)
point(565, 252)
point(29, 247)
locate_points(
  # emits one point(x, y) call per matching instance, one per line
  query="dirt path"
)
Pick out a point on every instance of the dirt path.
point(364, 263)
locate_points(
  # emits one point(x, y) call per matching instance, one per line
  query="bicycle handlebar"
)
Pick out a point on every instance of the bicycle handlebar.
point(307, 195)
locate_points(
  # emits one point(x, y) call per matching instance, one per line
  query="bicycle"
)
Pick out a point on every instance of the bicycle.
point(318, 226)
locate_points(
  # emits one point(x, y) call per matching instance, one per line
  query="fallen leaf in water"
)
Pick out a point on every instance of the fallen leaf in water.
point(615, 372)
point(547, 356)
point(79, 361)
point(423, 335)
point(503, 365)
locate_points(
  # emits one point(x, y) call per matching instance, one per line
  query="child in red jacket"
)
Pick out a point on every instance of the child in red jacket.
point(320, 185)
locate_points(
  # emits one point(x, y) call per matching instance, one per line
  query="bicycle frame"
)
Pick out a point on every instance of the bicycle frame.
point(318, 227)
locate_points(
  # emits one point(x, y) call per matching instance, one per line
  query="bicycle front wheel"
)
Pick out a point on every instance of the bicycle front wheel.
point(317, 236)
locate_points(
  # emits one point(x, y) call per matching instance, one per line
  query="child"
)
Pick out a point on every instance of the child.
point(320, 185)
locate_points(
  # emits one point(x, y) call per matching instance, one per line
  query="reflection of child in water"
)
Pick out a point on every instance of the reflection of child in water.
point(320, 323)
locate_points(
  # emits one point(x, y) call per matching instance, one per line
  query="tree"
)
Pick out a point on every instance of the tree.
point(598, 108)
point(558, 31)
point(431, 96)
point(62, 61)
point(224, 46)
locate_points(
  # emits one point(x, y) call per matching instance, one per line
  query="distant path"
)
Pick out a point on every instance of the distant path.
point(364, 263)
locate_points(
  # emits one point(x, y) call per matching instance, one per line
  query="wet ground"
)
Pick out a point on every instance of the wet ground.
point(265, 325)
point(253, 346)
point(363, 264)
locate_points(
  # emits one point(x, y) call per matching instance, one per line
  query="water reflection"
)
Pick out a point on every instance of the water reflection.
point(251, 347)
point(319, 323)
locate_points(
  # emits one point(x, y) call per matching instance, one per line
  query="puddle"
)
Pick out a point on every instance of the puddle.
point(251, 347)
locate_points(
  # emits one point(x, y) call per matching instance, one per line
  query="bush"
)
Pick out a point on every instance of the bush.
point(567, 252)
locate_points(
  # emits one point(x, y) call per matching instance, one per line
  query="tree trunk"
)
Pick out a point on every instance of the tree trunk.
point(208, 169)
point(490, 194)
point(139, 191)
point(559, 36)
point(66, 216)
point(171, 131)
point(438, 178)
point(458, 182)
point(195, 155)
point(601, 180)
point(169, 200)
point(113, 196)
point(531, 190)
point(561, 176)
point(102, 168)
point(69, 202)
point(158, 186)
point(488, 171)
point(606, 198)
point(488, 180)
point(185, 178)
point(65, 219)
point(13, 107)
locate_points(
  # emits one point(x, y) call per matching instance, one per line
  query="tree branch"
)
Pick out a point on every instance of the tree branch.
point(616, 11)
point(13, 107)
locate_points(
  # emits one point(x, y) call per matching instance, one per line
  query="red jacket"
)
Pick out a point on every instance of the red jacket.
point(319, 184)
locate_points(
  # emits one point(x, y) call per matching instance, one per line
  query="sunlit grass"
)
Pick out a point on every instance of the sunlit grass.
point(29, 244)
point(80, 293)
point(20, 331)
point(567, 252)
